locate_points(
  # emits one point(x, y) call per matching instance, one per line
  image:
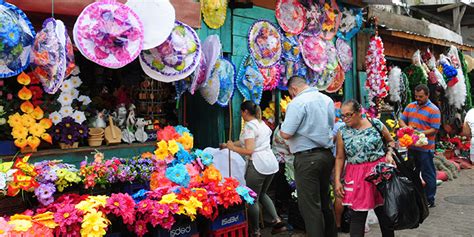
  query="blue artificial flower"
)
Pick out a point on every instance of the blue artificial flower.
point(449, 71)
point(180, 129)
point(178, 174)
point(182, 157)
point(206, 158)
point(10, 35)
point(140, 195)
point(245, 194)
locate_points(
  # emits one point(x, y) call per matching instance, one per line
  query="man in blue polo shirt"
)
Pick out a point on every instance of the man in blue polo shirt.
point(308, 128)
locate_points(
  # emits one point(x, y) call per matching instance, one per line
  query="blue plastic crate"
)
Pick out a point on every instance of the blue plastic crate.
point(7, 148)
point(132, 188)
point(227, 220)
point(183, 229)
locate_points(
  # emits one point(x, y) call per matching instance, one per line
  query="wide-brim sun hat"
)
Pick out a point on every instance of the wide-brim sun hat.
point(225, 70)
point(109, 33)
point(249, 80)
point(313, 49)
point(174, 59)
point(291, 16)
point(157, 16)
point(344, 54)
point(214, 12)
point(49, 57)
point(16, 38)
point(264, 42)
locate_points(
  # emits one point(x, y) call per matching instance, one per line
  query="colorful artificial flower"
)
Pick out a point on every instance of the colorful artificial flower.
point(178, 174)
point(23, 79)
point(167, 133)
point(79, 116)
point(162, 151)
point(55, 117)
point(186, 140)
point(173, 147)
point(94, 224)
point(5, 228)
point(27, 107)
point(85, 100)
point(66, 111)
point(75, 81)
point(206, 158)
point(74, 93)
point(25, 93)
point(121, 205)
point(67, 85)
point(44, 193)
point(65, 98)
point(211, 175)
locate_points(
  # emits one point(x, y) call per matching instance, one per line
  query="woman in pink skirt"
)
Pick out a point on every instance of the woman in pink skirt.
point(360, 145)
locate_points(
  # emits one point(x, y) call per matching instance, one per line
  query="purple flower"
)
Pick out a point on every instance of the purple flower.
point(50, 176)
point(45, 192)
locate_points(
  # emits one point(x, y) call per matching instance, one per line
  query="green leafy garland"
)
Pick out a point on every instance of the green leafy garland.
point(407, 96)
point(415, 76)
point(468, 104)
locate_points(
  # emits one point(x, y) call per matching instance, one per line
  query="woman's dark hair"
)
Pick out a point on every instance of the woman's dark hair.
point(252, 108)
point(355, 105)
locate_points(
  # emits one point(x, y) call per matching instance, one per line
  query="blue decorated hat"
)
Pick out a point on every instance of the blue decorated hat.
point(16, 38)
point(225, 70)
point(250, 80)
point(351, 22)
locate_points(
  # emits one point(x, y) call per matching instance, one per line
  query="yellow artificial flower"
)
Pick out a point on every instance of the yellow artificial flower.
point(331, 16)
point(161, 154)
point(173, 147)
point(187, 141)
point(94, 224)
point(25, 93)
point(27, 107)
point(20, 223)
point(46, 219)
point(36, 130)
point(21, 143)
point(46, 123)
point(190, 207)
point(168, 199)
point(37, 113)
point(33, 142)
point(327, 27)
point(46, 137)
point(72, 177)
point(23, 79)
point(15, 120)
point(19, 132)
point(27, 120)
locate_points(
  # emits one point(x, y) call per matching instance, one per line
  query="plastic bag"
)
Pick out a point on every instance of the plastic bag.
point(400, 205)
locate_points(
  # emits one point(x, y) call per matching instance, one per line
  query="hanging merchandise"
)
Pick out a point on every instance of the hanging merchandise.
point(314, 16)
point(351, 22)
point(290, 68)
point(264, 42)
point(337, 81)
point(181, 87)
point(250, 81)
point(52, 58)
point(290, 47)
point(376, 71)
point(224, 70)
point(469, 63)
point(434, 76)
point(331, 20)
point(332, 56)
point(325, 79)
point(313, 49)
point(415, 75)
point(109, 33)
point(465, 71)
point(214, 12)
point(212, 49)
point(344, 54)
point(157, 16)
point(457, 93)
point(211, 88)
point(199, 76)
point(291, 16)
point(271, 77)
point(174, 59)
point(16, 38)
point(417, 61)
point(394, 82)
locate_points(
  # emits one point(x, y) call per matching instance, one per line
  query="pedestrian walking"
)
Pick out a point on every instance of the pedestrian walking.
point(423, 116)
point(308, 128)
point(360, 145)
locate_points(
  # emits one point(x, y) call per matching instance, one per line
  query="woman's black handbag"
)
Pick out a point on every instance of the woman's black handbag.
point(405, 176)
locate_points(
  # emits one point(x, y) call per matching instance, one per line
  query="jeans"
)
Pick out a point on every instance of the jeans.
point(259, 183)
point(424, 164)
point(358, 219)
point(312, 176)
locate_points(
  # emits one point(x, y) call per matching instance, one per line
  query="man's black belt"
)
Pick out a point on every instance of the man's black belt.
point(316, 149)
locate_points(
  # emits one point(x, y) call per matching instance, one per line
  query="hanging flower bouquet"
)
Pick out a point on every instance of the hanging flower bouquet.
point(376, 71)
point(30, 126)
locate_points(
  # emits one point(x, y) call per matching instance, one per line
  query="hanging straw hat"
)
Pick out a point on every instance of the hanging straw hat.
point(17, 36)
point(157, 16)
point(121, 25)
point(52, 58)
point(470, 62)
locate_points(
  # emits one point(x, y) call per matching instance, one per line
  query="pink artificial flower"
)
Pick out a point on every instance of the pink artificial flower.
point(121, 205)
point(68, 219)
point(4, 227)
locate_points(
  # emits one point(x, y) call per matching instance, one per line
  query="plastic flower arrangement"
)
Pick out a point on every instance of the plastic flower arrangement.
point(69, 131)
point(392, 125)
point(54, 176)
point(28, 225)
point(99, 172)
point(407, 136)
point(29, 127)
point(23, 178)
point(6, 176)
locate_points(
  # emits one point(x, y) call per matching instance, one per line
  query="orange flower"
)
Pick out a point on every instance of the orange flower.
point(147, 155)
point(25, 93)
point(27, 107)
point(33, 142)
point(37, 113)
point(23, 79)
point(212, 175)
point(47, 138)
point(21, 143)
point(46, 123)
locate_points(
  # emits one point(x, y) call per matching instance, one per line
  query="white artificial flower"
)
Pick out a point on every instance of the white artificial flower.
point(67, 85)
point(75, 71)
point(79, 116)
point(55, 117)
point(74, 93)
point(3, 121)
point(3, 181)
point(65, 98)
point(1, 108)
point(84, 99)
point(66, 111)
point(76, 82)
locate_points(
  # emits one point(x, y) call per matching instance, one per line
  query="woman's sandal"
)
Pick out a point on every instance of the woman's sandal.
point(279, 227)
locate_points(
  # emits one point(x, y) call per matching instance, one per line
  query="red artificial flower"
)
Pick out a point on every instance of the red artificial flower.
point(167, 133)
point(37, 92)
point(34, 79)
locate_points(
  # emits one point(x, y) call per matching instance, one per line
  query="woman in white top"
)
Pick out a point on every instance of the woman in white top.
point(254, 144)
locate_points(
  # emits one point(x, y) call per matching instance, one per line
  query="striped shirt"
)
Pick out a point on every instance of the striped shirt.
point(423, 118)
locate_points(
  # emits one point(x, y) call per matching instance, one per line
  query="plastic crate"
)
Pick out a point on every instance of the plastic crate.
point(228, 220)
point(132, 188)
point(182, 228)
point(239, 230)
